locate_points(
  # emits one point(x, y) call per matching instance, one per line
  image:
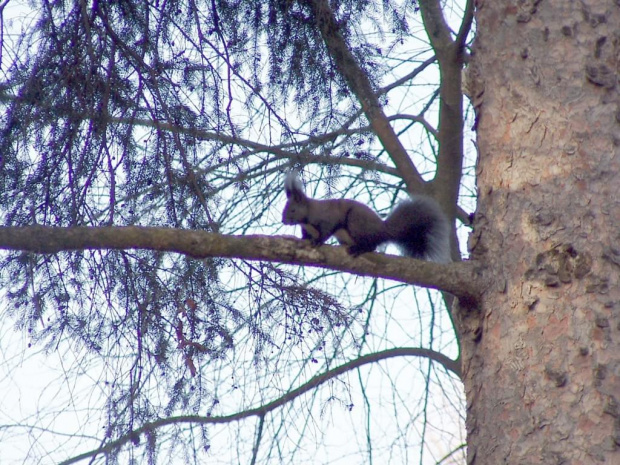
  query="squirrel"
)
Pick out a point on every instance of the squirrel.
point(417, 226)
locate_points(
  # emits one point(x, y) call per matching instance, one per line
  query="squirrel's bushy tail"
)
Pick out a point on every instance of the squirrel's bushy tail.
point(420, 229)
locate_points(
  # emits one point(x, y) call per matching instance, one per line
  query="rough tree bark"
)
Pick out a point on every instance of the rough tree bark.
point(542, 374)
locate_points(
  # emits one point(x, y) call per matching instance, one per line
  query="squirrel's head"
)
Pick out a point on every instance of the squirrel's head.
point(296, 209)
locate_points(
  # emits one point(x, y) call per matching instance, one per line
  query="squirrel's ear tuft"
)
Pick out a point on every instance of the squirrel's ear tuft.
point(292, 184)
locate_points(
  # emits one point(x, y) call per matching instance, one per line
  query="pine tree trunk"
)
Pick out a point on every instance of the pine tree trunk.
point(542, 377)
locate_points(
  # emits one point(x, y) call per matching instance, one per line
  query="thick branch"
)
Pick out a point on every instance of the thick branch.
point(449, 54)
point(457, 278)
point(360, 85)
point(261, 411)
point(436, 27)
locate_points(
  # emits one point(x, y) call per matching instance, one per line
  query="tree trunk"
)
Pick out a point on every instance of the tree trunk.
point(542, 376)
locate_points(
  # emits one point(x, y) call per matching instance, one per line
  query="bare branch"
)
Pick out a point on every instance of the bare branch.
point(361, 86)
point(456, 278)
point(408, 77)
point(448, 364)
point(450, 58)
point(436, 27)
point(468, 19)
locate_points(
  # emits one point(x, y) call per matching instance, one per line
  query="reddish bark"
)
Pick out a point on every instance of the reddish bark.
point(543, 378)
